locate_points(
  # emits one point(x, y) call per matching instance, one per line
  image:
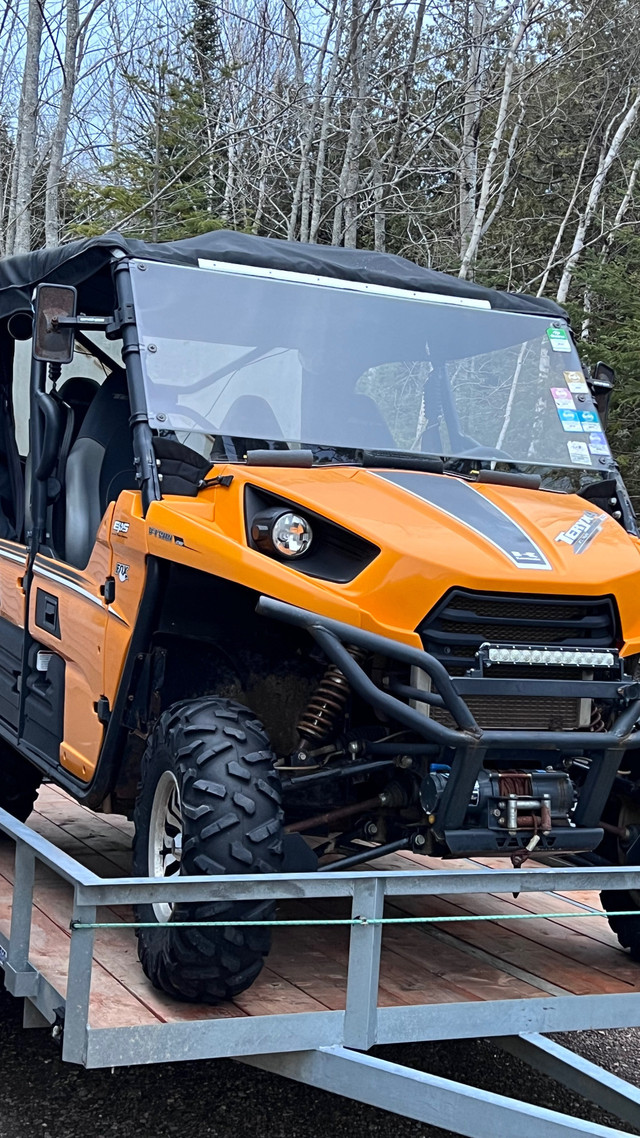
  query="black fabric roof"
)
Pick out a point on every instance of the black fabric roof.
point(86, 264)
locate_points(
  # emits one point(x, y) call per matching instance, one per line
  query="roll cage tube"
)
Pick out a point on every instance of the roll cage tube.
point(332, 635)
point(125, 327)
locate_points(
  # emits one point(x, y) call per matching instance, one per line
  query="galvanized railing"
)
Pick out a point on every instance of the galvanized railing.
point(359, 1026)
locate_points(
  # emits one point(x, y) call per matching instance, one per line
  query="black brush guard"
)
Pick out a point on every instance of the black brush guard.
point(467, 744)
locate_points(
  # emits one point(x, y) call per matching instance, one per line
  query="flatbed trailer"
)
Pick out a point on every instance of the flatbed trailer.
point(401, 953)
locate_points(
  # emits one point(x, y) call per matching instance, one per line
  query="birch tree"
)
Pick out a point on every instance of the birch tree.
point(608, 155)
point(19, 229)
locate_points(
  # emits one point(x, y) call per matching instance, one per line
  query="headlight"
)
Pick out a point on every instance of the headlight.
point(282, 532)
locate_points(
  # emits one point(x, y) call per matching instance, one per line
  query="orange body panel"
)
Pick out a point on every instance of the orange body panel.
point(423, 554)
point(83, 619)
point(13, 561)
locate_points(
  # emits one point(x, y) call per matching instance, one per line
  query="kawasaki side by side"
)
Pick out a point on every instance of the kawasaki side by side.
point(309, 543)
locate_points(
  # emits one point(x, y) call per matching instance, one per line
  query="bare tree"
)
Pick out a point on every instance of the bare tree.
point(19, 229)
point(608, 155)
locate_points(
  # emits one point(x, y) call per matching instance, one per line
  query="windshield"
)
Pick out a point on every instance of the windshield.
point(234, 356)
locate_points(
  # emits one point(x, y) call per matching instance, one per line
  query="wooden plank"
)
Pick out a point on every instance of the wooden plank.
point(50, 791)
point(106, 863)
point(116, 950)
point(479, 979)
point(565, 938)
point(506, 943)
point(111, 1004)
point(423, 982)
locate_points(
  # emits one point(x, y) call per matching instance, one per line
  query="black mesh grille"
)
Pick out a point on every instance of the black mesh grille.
point(519, 713)
point(455, 629)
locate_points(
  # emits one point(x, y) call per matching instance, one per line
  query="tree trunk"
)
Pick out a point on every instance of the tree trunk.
point(20, 211)
point(323, 139)
point(473, 242)
point(471, 114)
point(59, 138)
point(605, 164)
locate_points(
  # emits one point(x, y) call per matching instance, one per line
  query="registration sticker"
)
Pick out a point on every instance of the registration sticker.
point(579, 453)
point(570, 419)
point(598, 444)
point(589, 420)
point(559, 339)
point(576, 382)
point(562, 397)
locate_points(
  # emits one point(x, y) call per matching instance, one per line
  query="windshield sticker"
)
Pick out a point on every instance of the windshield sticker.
point(589, 420)
point(562, 397)
point(598, 444)
point(576, 382)
point(559, 339)
point(579, 453)
point(570, 419)
point(469, 506)
point(582, 532)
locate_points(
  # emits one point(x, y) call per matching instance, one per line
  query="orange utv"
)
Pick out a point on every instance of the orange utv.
point(314, 555)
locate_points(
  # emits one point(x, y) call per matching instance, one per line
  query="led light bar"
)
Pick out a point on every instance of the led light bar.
point(565, 657)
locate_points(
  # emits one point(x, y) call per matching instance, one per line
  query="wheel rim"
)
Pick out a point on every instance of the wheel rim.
point(165, 836)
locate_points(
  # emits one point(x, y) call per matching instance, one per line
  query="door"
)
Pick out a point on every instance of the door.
point(68, 615)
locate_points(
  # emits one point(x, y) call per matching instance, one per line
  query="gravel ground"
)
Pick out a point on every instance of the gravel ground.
point(41, 1097)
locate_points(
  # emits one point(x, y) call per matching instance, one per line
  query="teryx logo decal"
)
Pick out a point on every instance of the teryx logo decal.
point(582, 532)
point(463, 502)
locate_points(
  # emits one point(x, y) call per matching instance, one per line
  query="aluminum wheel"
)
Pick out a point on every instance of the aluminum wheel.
point(165, 836)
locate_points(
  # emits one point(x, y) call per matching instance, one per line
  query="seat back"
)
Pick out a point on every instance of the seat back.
point(72, 402)
point(99, 466)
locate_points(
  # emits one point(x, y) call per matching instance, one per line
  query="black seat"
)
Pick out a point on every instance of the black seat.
point(250, 416)
point(250, 423)
point(69, 405)
point(365, 420)
point(99, 466)
point(78, 392)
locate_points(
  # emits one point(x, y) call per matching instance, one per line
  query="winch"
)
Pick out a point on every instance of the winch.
point(510, 800)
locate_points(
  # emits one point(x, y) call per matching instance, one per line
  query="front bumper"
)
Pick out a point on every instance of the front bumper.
point(467, 743)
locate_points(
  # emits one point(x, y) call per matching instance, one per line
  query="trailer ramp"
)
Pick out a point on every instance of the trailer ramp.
point(402, 953)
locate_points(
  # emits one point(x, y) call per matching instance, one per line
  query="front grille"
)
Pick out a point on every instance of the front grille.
point(455, 629)
point(518, 713)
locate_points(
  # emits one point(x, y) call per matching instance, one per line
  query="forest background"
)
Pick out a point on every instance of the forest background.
point(494, 139)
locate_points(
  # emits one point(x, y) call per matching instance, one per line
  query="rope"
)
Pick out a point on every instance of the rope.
point(80, 925)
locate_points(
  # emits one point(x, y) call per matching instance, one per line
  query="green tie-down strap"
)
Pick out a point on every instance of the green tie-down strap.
point(355, 920)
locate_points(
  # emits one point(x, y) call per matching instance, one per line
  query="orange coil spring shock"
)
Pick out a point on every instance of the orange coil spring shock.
point(327, 703)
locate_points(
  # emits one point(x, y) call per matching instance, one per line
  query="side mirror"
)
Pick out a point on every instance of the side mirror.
point(53, 337)
point(602, 382)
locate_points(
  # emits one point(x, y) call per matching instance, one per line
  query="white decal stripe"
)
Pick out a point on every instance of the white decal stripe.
point(20, 560)
point(399, 479)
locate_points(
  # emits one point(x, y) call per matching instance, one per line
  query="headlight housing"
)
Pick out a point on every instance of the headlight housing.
point(283, 532)
point(299, 537)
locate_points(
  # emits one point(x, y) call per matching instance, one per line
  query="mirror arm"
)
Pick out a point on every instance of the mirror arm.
point(89, 324)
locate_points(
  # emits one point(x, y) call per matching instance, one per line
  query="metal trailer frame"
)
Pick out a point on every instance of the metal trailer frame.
point(329, 1049)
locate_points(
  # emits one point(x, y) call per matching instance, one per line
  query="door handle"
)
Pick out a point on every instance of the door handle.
point(47, 614)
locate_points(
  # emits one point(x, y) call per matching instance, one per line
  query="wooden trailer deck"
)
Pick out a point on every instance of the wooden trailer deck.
point(446, 963)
